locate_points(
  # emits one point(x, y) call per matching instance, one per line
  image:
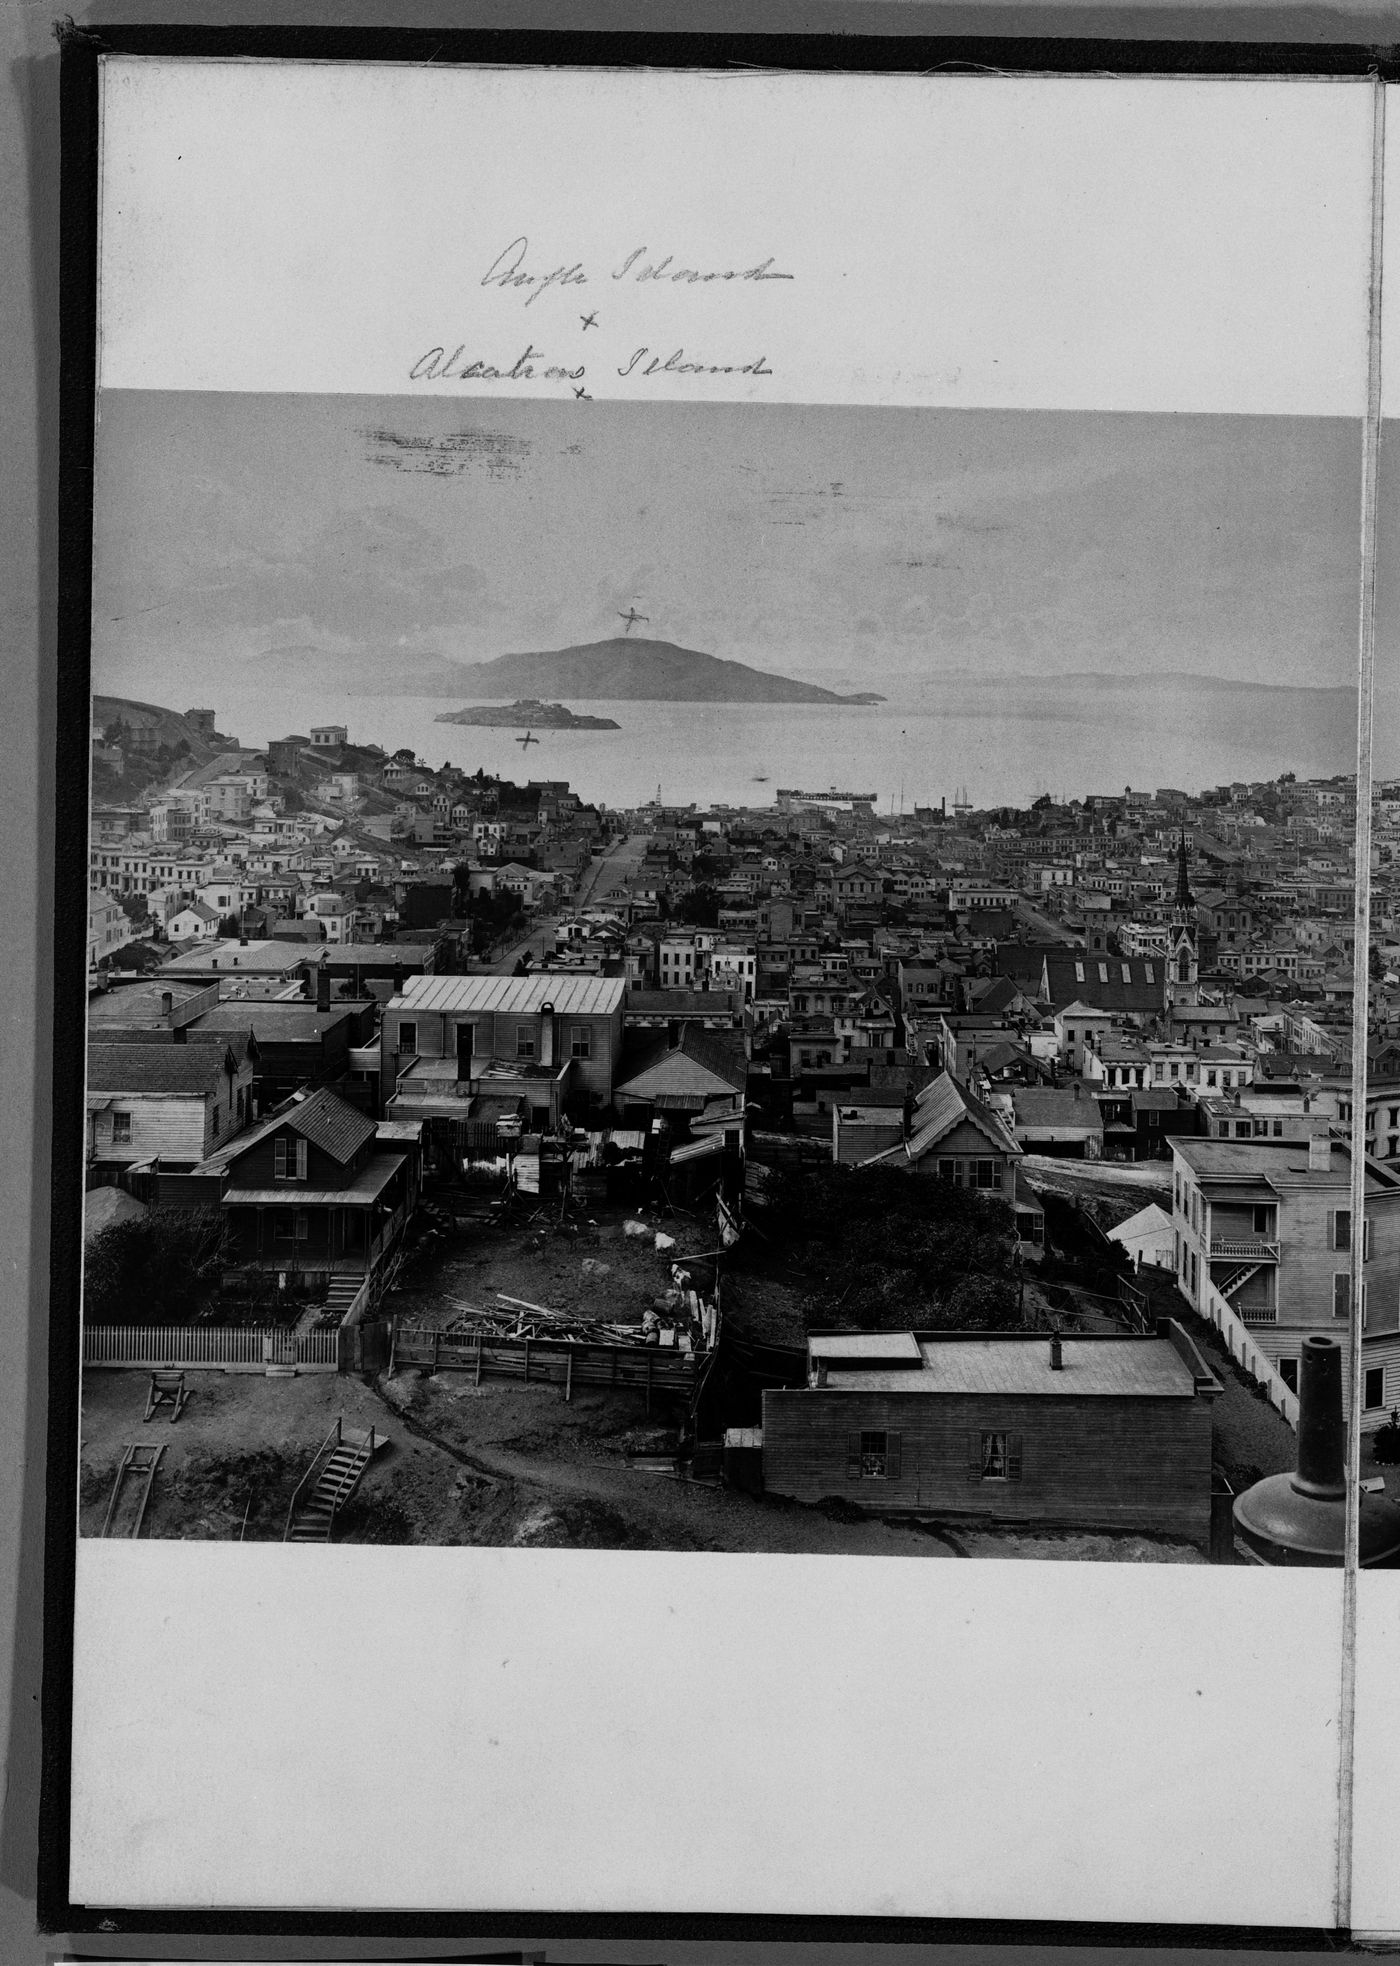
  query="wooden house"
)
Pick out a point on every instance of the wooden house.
point(166, 1102)
point(313, 1188)
point(1108, 1432)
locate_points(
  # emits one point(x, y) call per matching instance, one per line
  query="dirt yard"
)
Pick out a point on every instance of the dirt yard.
point(508, 1463)
point(615, 1277)
point(501, 1464)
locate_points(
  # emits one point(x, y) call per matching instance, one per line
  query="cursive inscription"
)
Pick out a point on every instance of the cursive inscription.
point(438, 366)
point(510, 271)
point(690, 276)
point(677, 364)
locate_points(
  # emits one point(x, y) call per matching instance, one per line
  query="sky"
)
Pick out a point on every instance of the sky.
point(845, 545)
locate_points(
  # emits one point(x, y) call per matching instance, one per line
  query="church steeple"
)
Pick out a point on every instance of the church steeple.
point(1182, 966)
point(1184, 897)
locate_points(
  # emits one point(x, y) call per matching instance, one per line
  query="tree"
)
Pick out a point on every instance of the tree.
point(887, 1250)
point(158, 1269)
point(699, 906)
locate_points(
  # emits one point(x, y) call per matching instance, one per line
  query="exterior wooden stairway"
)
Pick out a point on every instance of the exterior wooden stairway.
point(329, 1482)
point(340, 1295)
point(1237, 1280)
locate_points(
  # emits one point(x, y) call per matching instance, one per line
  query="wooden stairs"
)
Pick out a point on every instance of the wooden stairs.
point(340, 1295)
point(329, 1482)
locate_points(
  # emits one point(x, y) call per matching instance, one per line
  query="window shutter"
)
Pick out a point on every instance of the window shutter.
point(1341, 1293)
point(853, 1457)
point(892, 1456)
point(279, 1159)
point(301, 1160)
point(974, 1457)
point(1013, 1457)
point(1366, 1240)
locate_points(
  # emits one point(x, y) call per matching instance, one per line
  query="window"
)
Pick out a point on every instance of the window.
point(1374, 1388)
point(288, 1159)
point(1341, 1232)
point(1288, 1372)
point(1176, 1071)
point(996, 1457)
point(873, 1454)
point(1079, 972)
point(581, 1041)
point(1278, 1129)
point(524, 1040)
point(214, 1129)
point(408, 1034)
point(1341, 1295)
point(121, 1129)
point(1243, 1129)
point(1127, 973)
point(988, 1173)
point(1103, 972)
point(1150, 972)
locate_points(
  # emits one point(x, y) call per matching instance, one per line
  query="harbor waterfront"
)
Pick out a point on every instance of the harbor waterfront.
point(1006, 742)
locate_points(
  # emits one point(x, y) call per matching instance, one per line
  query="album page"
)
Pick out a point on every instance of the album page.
point(717, 1187)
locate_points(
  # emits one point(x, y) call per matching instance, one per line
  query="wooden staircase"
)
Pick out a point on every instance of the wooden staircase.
point(329, 1482)
point(340, 1295)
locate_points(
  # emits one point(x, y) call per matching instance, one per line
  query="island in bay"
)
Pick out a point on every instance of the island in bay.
point(526, 713)
point(637, 669)
point(622, 668)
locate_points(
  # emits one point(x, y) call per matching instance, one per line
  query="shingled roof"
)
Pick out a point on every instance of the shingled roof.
point(162, 1067)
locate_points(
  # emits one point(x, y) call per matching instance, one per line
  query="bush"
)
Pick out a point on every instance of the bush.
point(1386, 1441)
point(160, 1269)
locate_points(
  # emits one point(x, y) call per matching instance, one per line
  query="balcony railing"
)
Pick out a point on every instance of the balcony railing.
point(1243, 1249)
point(1256, 1313)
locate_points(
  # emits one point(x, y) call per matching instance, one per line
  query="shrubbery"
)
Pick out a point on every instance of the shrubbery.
point(159, 1269)
point(885, 1250)
point(1385, 1441)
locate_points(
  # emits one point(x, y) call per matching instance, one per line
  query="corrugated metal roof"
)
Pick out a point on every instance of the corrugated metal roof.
point(520, 996)
point(328, 1123)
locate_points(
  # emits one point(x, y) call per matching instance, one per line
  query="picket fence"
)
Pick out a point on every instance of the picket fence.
point(218, 1348)
point(1246, 1353)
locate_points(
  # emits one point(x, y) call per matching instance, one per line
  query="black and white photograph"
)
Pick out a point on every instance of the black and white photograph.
point(711, 977)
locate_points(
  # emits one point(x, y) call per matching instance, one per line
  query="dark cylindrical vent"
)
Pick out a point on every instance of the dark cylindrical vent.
point(1321, 1429)
point(1057, 1354)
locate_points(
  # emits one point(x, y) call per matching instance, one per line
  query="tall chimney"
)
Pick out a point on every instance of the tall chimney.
point(1300, 1519)
point(323, 987)
point(546, 1034)
point(1057, 1353)
point(1319, 1153)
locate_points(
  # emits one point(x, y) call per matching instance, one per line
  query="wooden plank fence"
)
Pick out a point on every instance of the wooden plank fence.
point(216, 1348)
point(548, 1361)
point(1247, 1354)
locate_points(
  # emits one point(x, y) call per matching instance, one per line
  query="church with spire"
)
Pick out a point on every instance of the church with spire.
point(1183, 962)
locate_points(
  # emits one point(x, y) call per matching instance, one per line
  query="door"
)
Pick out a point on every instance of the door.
point(466, 1034)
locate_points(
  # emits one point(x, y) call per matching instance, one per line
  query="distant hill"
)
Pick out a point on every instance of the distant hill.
point(377, 672)
point(629, 668)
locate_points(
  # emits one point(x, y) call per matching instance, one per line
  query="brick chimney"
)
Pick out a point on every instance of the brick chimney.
point(1320, 1153)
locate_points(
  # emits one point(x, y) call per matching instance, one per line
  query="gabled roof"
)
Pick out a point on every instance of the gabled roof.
point(327, 1122)
point(944, 1104)
point(162, 1067)
point(701, 1063)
